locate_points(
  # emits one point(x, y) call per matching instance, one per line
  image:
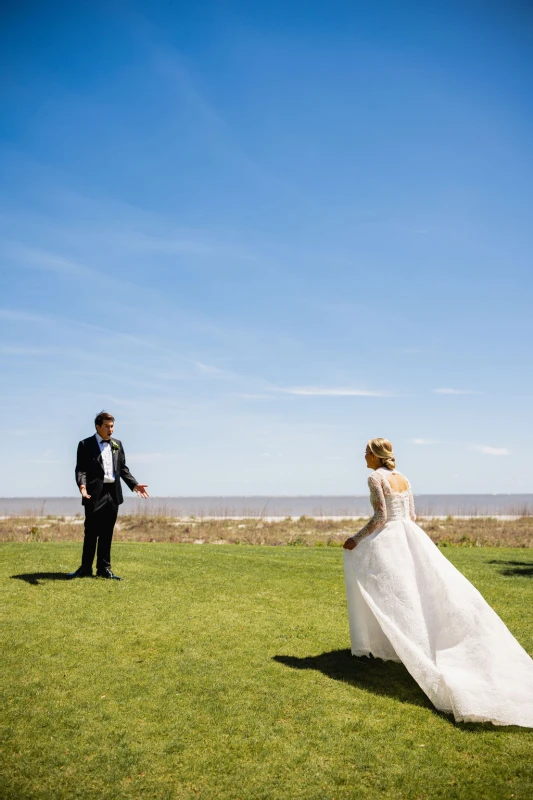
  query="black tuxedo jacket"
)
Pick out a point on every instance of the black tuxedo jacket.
point(90, 469)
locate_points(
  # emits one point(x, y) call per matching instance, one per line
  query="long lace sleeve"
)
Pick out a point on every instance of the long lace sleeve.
point(377, 498)
point(412, 512)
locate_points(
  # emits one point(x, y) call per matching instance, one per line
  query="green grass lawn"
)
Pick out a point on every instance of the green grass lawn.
point(224, 672)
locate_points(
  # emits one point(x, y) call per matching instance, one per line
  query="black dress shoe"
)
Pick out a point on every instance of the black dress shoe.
point(106, 573)
point(81, 572)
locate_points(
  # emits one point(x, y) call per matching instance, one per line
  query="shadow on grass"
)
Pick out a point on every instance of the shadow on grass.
point(385, 678)
point(36, 578)
point(371, 674)
point(515, 568)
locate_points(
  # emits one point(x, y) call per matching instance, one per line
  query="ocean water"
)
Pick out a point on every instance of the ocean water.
point(258, 506)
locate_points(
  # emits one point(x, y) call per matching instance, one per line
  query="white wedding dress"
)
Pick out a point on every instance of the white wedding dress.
point(406, 602)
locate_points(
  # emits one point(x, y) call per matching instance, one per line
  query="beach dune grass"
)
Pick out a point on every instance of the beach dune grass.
point(224, 672)
point(302, 531)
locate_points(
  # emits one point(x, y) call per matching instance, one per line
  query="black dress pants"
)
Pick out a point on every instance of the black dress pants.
point(99, 524)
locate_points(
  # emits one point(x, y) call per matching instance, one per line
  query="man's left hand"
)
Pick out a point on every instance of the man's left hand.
point(141, 489)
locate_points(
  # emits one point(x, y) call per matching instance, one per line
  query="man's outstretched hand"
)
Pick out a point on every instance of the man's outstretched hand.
point(141, 489)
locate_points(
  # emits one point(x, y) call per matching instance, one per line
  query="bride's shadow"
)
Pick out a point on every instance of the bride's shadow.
point(385, 678)
point(370, 674)
point(511, 569)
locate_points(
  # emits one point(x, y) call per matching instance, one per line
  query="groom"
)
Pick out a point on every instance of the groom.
point(100, 464)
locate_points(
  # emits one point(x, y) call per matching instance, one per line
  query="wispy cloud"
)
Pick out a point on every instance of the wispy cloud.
point(455, 391)
point(19, 431)
point(150, 458)
point(42, 259)
point(319, 391)
point(168, 246)
point(47, 457)
point(119, 336)
point(190, 243)
point(172, 66)
point(425, 441)
point(253, 396)
point(23, 316)
point(491, 451)
point(209, 369)
point(8, 350)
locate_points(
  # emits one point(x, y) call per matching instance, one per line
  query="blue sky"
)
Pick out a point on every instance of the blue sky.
point(262, 233)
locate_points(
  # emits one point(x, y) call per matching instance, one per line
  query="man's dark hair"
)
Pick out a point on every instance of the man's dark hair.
point(103, 415)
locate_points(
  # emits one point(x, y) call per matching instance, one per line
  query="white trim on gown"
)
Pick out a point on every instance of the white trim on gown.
point(408, 603)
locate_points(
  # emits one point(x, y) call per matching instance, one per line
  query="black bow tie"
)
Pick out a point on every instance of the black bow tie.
point(105, 441)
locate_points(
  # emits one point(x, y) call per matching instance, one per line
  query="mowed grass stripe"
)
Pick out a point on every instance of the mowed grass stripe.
point(224, 672)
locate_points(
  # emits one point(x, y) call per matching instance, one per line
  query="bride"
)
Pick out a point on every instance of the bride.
point(406, 602)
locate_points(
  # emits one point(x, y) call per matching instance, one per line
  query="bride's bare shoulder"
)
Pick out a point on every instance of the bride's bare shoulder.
point(397, 481)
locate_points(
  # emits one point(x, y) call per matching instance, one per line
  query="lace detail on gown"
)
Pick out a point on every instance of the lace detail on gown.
point(387, 504)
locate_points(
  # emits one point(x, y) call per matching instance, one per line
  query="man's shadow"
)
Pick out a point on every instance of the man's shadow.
point(36, 578)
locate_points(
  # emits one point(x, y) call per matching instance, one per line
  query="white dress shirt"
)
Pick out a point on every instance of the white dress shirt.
point(107, 459)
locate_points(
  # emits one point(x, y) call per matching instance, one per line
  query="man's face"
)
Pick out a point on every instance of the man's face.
point(105, 430)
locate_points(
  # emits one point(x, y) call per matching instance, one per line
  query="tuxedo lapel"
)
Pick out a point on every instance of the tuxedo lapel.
point(97, 452)
point(114, 452)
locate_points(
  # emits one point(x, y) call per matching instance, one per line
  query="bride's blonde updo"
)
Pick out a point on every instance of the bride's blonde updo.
point(382, 448)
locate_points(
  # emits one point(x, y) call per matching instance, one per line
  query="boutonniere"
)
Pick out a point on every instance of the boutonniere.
point(114, 446)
